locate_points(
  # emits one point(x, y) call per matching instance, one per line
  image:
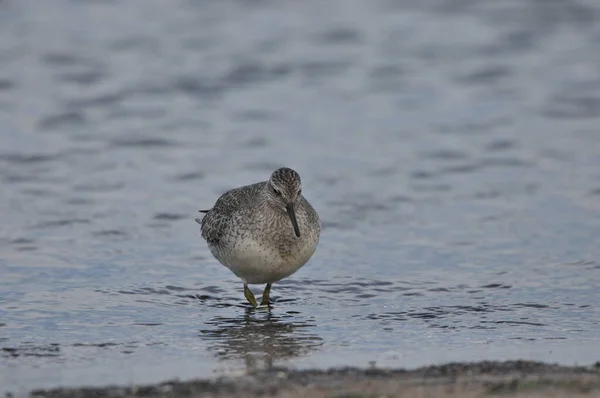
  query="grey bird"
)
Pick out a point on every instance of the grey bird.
point(263, 232)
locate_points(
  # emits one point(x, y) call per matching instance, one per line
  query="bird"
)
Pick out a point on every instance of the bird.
point(262, 232)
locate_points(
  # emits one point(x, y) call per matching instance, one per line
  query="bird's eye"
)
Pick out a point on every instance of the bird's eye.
point(300, 192)
point(276, 191)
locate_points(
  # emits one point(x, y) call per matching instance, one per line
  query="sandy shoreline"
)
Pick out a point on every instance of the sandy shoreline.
point(481, 379)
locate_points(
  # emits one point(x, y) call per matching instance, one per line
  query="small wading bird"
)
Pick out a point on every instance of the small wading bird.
point(262, 232)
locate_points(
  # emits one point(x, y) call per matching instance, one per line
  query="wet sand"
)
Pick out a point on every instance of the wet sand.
point(482, 379)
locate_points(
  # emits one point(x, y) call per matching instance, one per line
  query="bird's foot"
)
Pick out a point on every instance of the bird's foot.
point(250, 296)
point(265, 297)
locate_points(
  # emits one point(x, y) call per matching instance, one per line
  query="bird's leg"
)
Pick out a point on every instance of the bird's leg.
point(265, 297)
point(249, 296)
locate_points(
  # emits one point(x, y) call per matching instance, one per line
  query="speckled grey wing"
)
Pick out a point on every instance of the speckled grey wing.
point(219, 219)
point(214, 224)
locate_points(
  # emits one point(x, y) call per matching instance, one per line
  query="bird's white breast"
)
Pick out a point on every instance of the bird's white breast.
point(256, 262)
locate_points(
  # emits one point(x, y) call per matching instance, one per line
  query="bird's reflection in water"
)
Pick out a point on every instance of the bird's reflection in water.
point(261, 338)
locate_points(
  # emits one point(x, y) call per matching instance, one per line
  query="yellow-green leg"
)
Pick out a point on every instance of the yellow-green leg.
point(250, 296)
point(265, 297)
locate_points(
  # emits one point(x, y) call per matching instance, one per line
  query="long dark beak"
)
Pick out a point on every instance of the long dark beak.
point(292, 213)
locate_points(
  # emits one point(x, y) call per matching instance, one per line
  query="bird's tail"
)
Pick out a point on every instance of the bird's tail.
point(199, 221)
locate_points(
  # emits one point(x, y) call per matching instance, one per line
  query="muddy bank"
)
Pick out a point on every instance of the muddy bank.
point(508, 379)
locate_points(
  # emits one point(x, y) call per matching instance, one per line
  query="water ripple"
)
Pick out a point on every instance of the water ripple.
point(456, 177)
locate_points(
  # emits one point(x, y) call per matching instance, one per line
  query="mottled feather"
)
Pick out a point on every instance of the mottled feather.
point(217, 220)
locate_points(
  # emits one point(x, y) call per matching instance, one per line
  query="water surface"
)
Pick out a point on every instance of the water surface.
point(452, 151)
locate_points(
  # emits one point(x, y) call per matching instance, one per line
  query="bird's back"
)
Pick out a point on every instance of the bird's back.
point(218, 220)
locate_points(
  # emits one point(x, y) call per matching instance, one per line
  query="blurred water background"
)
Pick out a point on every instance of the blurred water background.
point(452, 149)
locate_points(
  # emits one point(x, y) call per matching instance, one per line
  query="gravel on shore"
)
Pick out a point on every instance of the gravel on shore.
point(466, 380)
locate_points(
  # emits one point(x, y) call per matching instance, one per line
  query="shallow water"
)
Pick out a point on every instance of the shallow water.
point(452, 152)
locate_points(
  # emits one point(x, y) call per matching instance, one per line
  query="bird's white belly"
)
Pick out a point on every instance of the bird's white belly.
point(256, 263)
